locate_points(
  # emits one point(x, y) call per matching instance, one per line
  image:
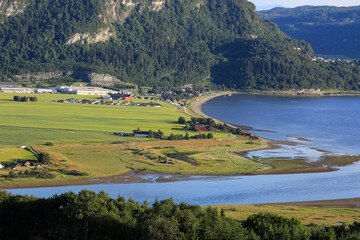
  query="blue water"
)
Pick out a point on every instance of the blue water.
point(232, 190)
point(332, 124)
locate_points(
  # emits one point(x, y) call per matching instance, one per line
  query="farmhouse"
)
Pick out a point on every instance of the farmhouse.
point(169, 161)
point(142, 134)
point(159, 135)
point(123, 134)
point(121, 96)
point(255, 138)
point(187, 88)
point(202, 128)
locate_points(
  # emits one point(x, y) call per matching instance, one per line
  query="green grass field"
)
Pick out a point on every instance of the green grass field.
point(11, 154)
point(307, 215)
point(37, 122)
point(83, 138)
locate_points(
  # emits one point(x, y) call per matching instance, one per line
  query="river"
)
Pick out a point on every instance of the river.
point(328, 124)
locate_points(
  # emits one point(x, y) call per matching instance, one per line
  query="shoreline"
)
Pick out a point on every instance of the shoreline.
point(268, 143)
point(131, 177)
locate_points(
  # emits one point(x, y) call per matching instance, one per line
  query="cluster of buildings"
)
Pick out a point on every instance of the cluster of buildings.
point(322, 59)
point(15, 166)
point(10, 87)
point(251, 137)
point(84, 90)
point(140, 134)
point(106, 102)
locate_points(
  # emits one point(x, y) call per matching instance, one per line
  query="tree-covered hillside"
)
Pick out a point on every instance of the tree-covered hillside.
point(330, 30)
point(90, 215)
point(162, 44)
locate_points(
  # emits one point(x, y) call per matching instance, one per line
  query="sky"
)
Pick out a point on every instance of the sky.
point(268, 4)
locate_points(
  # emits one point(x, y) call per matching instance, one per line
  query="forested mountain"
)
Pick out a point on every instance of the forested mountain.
point(162, 44)
point(330, 30)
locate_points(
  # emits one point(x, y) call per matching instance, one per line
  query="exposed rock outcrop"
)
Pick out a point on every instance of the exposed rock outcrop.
point(102, 79)
point(157, 5)
point(87, 38)
point(11, 8)
point(117, 10)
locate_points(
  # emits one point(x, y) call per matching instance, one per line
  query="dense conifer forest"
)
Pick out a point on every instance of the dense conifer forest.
point(219, 43)
point(89, 215)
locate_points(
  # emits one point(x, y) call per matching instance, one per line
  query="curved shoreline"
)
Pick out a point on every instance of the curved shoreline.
point(197, 105)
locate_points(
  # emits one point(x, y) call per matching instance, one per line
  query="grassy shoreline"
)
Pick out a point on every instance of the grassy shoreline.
point(310, 213)
point(277, 166)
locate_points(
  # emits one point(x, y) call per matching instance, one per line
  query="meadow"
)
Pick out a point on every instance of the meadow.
point(83, 140)
point(308, 215)
point(32, 123)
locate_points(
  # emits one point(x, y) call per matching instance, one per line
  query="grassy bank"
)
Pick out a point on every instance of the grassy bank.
point(330, 212)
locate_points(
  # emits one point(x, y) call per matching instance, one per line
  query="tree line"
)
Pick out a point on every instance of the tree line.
point(24, 99)
point(89, 215)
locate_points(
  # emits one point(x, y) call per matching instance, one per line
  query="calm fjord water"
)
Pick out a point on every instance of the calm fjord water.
point(331, 123)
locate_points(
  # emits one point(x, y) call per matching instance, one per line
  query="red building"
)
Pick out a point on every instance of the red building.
point(202, 128)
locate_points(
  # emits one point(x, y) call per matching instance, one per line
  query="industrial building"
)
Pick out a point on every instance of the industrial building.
point(84, 90)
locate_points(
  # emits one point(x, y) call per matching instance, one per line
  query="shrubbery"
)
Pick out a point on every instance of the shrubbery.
point(31, 173)
point(25, 99)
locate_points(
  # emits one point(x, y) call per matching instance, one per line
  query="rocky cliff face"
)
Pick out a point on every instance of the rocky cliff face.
point(157, 5)
point(12, 8)
point(102, 35)
point(117, 10)
point(102, 79)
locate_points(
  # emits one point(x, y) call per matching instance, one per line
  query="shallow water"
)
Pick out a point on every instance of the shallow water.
point(231, 190)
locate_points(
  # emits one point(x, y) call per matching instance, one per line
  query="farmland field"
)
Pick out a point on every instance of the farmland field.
point(29, 123)
point(81, 139)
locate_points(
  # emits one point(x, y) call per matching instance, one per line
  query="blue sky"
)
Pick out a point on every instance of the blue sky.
point(267, 4)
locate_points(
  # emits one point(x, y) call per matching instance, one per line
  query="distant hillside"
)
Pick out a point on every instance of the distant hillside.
point(161, 44)
point(330, 30)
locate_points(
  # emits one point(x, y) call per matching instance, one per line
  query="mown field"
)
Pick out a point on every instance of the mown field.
point(35, 122)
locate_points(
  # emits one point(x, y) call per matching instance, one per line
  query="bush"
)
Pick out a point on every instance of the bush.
point(72, 172)
point(49, 144)
point(181, 120)
point(270, 226)
point(44, 158)
point(29, 174)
